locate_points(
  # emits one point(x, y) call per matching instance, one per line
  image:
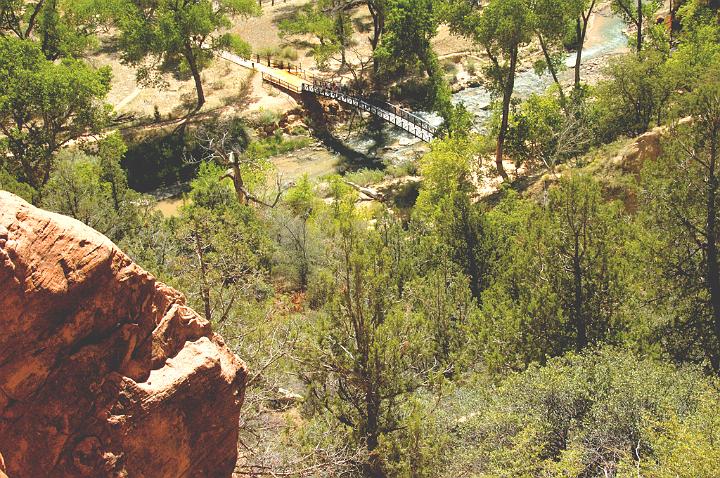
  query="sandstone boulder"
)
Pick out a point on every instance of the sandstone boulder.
point(646, 147)
point(104, 372)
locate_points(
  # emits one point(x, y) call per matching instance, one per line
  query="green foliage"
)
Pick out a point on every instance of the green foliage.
point(406, 48)
point(582, 415)
point(158, 160)
point(365, 355)
point(299, 236)
point(447, 222)
point(207, 191)
point(541, 130)
point(420, 449)
point(410, 26)
point(365, 177)
point(559, 279)
point(276, 145)
point(94, 190)
point(635, 96)
point(501, 28)
point(45, 105)
point(286, 53)
point(63, 28)
point(700, 46)
point(682, 447)
point(639, 14)
point(445, 333)
point(457, 120)
point(680, 204)
point(332, 31)
point(9, 182)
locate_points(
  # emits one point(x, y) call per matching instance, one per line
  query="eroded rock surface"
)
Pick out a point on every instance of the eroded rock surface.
point(104, 372)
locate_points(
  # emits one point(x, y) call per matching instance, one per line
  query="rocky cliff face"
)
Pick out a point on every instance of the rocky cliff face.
point(104, 372)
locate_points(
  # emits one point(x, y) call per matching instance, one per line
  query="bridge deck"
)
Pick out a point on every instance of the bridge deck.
point(299, 82)
point(269, 73)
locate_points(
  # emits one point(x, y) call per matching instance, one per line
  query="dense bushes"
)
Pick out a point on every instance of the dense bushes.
point(600, 413)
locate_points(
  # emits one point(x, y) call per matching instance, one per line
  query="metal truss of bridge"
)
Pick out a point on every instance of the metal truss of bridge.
point(399, 117)
point(403, 119)
point(296, 80)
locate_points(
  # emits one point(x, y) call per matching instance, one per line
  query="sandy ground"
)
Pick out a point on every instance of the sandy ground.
point(263, 32)
point(170, 207)
point(224, 82)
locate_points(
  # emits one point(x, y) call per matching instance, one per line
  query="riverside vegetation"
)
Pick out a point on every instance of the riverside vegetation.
point(570, 330)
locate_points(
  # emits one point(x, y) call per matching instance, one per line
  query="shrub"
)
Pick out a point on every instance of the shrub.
point(582, 415)
point(365, 177)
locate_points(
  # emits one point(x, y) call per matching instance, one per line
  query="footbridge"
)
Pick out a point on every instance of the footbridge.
point(296, 80)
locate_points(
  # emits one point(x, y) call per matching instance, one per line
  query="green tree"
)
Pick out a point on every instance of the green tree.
point(503, 27)
point(45, 105)
point(223, 248)
point(325, 20)
point(378, 12)
point(559, 282)
point(637, 13)
point(409, 29)
point(600, 413)
point(583, 10)
point(541, 130)
point(229, 145)
point(184, 32)
point(93, 189)
point(297, 229)
point(19, 18)
point(63, 28)
point(681, 197)
point(449, 224)
point(636, 95)
point(366, 354)
point(550, 23)
point(407, 48)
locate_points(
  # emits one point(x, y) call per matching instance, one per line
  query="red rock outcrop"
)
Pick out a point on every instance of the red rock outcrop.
point(104, 372)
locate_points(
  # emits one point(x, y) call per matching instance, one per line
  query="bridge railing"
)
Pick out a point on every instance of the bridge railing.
point(404, 114)
point(281, 83)
point(391, 113)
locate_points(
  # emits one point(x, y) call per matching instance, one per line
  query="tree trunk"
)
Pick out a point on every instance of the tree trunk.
point(33, 17)
point(205, 292)
point(507, 96)
point(378, 29)
point(372, 433)
point(192, 63)
point(578, 55)
point(581, 32)
point(343, 39)
point(305, 264)
point(579, 317)
point(238, 182)
point(551, 68)
point(639, 25)
point(713, 271)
